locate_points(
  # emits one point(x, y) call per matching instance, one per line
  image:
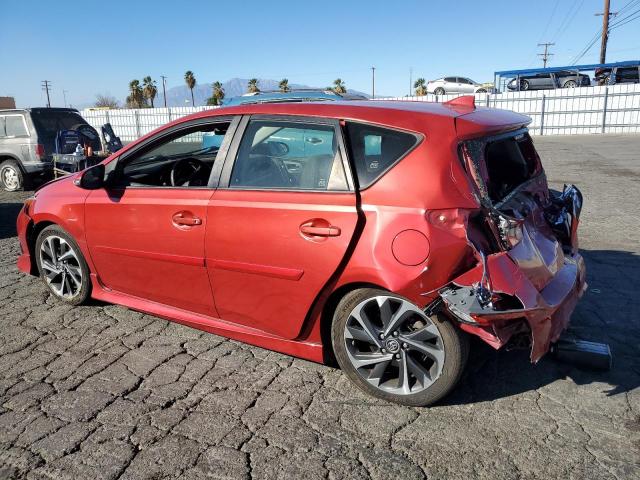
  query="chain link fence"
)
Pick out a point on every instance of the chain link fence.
point(585, 110)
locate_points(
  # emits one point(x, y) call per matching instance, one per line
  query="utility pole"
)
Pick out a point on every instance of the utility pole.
point(64, 95)
point(164, 90)
point(373, 82)
point(46, 85)
point(605, 29)
point(545, 56)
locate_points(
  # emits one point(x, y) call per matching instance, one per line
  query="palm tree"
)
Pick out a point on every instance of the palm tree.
point(149, 89)
point(217, 96)
point(421, 87)
point(284, 85)
point(190, 80)
point(135, 99)
point(252, 86)
point(339, 86)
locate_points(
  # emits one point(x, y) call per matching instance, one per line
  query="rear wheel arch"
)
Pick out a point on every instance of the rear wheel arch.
point(328, 311)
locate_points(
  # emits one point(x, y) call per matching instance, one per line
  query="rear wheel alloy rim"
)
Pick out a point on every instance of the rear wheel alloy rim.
point(60, 266)
point(393, 345)
point(10, 177)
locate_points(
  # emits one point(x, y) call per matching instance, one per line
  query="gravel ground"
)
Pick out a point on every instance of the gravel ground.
point(100, 391)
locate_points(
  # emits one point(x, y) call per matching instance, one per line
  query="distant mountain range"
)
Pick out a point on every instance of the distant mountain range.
point(176, 96)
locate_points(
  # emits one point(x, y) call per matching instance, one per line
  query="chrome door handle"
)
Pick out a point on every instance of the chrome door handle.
point(312, 231)
point(186, 219)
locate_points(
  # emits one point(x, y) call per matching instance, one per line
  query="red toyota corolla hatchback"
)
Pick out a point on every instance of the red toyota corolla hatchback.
point(379, 234)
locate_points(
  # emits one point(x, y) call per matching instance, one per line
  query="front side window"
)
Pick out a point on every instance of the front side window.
point(14, 126)
point(288, 155)
point(375, 150)
point(183, 159)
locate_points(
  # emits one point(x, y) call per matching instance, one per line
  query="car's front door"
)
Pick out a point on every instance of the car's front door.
point(146, 230)
point(281, 221)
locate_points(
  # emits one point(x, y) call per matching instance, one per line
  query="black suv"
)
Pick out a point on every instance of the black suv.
point(27, 141)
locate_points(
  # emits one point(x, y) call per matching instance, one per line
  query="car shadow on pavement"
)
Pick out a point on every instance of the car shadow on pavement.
point(607, 313)
point(8, 216)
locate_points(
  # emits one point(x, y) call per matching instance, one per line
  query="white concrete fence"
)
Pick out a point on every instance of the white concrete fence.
point(585, 110)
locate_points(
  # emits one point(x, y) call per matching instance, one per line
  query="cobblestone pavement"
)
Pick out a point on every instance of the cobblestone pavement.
point(100, 391)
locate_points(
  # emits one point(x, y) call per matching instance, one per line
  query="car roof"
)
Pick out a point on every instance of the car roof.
point(39, 109)
point(415, 116)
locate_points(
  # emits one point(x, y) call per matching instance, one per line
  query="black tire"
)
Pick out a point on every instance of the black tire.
point(439, 91)
point(11, 176)
point(570, 84)
point(79, 293)
point(481, 90)
point(455, 345)
point(524, 85)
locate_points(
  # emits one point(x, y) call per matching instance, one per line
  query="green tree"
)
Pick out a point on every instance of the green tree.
point(284, 85)
point(252, 86)
point(190, 80)
point(149, 89)
point(339, 86)
point(420, 86)
point(135, 99)
point(217, 95)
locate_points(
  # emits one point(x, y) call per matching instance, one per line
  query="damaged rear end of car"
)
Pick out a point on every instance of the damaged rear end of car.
point(525, 275)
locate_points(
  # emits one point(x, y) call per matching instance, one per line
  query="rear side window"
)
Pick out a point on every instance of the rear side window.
point(2, 132)
point(375, 150)
point(290, 156)
point(14, 126)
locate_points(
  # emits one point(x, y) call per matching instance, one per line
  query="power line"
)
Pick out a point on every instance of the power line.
point(620, 24)
point(46, 86)
point(568, 19)
point(545, 56)
point(620, 20)
point(553, 12)
point(584, 51)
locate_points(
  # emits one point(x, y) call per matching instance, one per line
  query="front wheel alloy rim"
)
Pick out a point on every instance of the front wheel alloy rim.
point(393, 345)
point(60, 266)
point(10, 177)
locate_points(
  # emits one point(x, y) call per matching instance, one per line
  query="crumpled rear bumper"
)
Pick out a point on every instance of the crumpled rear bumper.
point(546, 312)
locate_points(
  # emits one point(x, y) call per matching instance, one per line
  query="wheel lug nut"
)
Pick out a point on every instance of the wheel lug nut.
point(381, 335)
point(395, 334)
point(384, 350)
point(397, 355)
point(404, 345)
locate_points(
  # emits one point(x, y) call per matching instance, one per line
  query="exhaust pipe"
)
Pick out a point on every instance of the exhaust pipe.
point(581, 353)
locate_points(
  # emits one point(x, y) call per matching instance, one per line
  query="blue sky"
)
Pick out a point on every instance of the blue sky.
point(86, 49)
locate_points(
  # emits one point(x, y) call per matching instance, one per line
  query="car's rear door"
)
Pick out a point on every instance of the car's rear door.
point(280, 222)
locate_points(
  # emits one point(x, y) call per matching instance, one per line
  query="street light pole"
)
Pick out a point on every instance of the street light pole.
point(373, 82)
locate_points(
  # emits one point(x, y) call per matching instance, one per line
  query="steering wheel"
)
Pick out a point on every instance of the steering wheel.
point(188, 170)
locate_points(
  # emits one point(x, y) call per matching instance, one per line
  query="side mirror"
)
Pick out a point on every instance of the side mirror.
point(92, 178)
